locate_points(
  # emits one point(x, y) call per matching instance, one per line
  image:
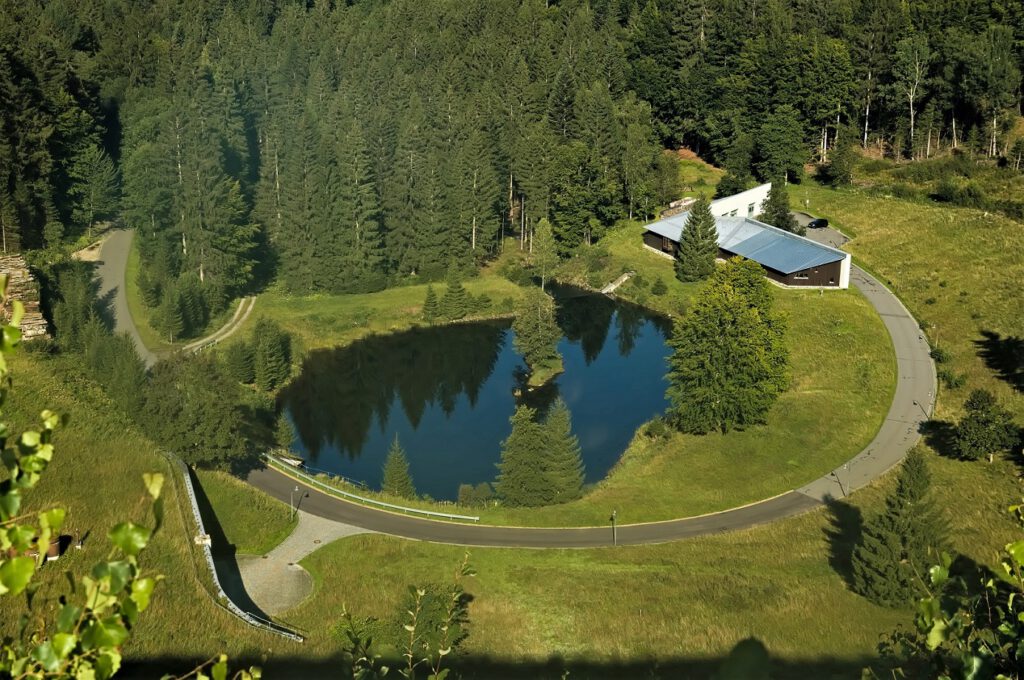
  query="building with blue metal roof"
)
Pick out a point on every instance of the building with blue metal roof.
point(787, 258)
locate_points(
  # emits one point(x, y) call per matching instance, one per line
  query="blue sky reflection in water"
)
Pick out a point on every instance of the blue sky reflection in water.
point(448, 393)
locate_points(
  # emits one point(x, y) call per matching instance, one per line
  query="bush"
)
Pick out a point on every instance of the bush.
point(951, 380)
point(656, 429)
point(940, 356)
point(659, 287)
point(470, 495)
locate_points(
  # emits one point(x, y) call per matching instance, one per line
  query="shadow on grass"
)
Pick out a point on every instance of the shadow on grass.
point(479, 667)
point(846, 523)
point(224, 555)
point(941, 436)
point(1004, 355)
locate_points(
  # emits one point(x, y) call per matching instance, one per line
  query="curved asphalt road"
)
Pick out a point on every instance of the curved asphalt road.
point(912, 403)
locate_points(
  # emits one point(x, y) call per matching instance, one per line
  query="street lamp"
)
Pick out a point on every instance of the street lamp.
point(615, 538)
point(922, 409)
point(291, 500)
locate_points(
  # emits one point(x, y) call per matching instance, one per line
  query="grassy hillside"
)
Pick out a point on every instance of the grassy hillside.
point(97, 476)
point(252, 521)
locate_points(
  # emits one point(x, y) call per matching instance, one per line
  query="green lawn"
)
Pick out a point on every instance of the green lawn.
point(96, 475)
point(252, 521)
point(690, 600)
point(330, 320)
point(958, 270)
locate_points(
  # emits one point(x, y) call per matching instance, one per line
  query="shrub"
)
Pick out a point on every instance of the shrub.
point(940, 355)
point(656, 429)
point(951, 380)
point(659, 287)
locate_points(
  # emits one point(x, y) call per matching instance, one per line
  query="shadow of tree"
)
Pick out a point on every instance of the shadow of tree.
point(1004, 355)
point(846, 523)
point(941, 436)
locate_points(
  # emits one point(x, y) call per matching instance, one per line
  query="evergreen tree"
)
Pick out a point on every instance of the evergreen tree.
point(544, 253)
point(698, 244)
point(840, 167)
point(780, 145)
point(455, 303)
point(986, 428)
point(563, 466)
point(728, 363)
point(521, 481)
point(898, 546)
point(776, 210)
point(240, 362)
point(272, 354)
point(169, 318)
point(431, 308)
point(284, 431)
point(397, 480)
point(730, 185)
point(95, 186)
point(537, 333)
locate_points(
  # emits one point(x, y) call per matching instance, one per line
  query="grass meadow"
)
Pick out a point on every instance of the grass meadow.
point(252, 521)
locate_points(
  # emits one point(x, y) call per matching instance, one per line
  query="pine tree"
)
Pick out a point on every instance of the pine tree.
point(397, 480)
point(455, 303)
point(897, 546)
point(776, 210)
point(730, 185)
point(284, 431)
point(272, 354)
point(563, 465)
point(169, 318)
point(698, 244)
point(520, 480)
point(728, 363)
point(239, 362)
point(95, 186)
point(431, 308)
point(986, 428)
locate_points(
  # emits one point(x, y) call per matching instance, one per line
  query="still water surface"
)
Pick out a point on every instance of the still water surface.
point(448, 393)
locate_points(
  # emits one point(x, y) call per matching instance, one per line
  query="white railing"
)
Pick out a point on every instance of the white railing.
point(251, 619)
point(309, 479)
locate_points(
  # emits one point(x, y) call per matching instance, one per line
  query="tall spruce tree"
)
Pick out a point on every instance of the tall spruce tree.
point(776, 210)
point(544, 253)
point(698, 244)
point(272, 354)
point(521, 481)
point(563, 464)
point(728, 364)
point(397, 479)
point(455, 302)
point(239, 362)
point(95, 187)
point(890, 563)
point(431, 307)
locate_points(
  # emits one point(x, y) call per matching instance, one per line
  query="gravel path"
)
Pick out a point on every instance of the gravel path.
point(275, 581)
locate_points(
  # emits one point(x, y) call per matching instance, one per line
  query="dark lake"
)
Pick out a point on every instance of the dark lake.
point(448, 393)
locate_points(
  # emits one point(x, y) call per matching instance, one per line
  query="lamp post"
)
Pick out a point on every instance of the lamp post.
point(839, 482)
point(291, 500)
point(615, 538)
point(917, 404)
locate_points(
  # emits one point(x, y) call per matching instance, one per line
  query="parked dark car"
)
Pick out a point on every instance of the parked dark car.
point(819, 223)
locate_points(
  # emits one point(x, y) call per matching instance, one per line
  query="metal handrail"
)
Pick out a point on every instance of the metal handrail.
point(251, 619)
point(334, 490)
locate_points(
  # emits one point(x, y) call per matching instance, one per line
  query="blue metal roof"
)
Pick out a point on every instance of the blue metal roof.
point(767, 245)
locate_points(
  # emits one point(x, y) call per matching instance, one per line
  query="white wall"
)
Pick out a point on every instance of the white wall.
point(844, 272)
point(742, 203)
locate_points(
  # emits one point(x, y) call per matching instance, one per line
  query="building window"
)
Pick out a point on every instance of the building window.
point(801, 276)
point(750, 210)
point(666, 244)
point(831, 281)
point(733, 213)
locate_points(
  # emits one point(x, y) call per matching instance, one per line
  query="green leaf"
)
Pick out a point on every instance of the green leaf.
point(103, 633)
point(63, 644)
point(52, 519)
point(938, 634)
point(129, 537)
point(108, 664)
point(68, 617)
point(1016, 551)
point(142, 589)
point(15, 574)
point(220, 669)
point(154, 483)
point(10, 502)
point(46, 657)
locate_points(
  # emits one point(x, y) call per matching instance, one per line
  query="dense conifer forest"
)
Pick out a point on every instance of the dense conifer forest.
point(343, 147)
